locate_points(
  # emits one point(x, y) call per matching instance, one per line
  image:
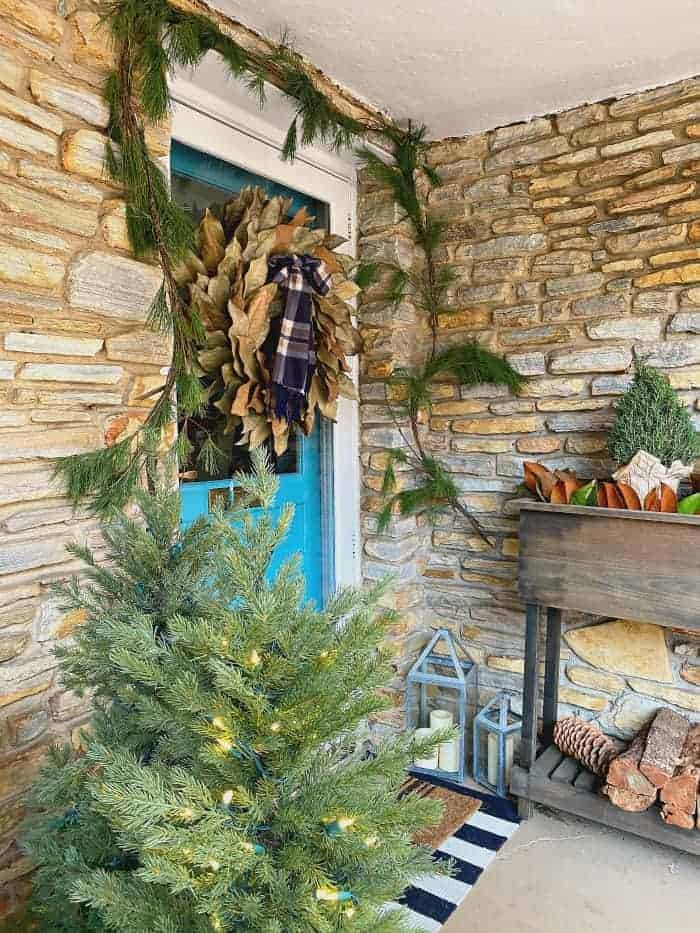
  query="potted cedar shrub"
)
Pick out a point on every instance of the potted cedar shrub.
point(653, 441)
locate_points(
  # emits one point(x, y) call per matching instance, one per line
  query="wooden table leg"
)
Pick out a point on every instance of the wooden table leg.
point(528, 749)
point(551, 674)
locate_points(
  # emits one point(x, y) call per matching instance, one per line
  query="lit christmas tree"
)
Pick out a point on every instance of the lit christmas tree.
point(220, 788)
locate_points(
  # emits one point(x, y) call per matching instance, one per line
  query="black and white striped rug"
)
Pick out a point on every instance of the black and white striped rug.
point(431, 899)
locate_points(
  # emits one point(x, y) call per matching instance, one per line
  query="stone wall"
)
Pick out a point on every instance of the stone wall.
point(577, 243)
point(74, 359)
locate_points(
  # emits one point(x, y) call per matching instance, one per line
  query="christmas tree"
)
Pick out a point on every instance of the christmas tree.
point(220, 786)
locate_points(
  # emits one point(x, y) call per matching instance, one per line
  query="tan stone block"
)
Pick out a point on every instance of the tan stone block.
point(27, 267)
point(592, 136)
point(83, 152)
point(480, 445)
point(637, 328)
point(679, 255)
point(654, 177)
point(93, 44)
point(69, 98)
point(549, 203)
point(582, 157)
point(691, 674)
point(540, 388)
point(535, 336)
point(46, 444)
point(573, 216)
point(616, 168)
point(504, 136)
point(504, 425)
point(596, 680)
point(451, 150)
point(662, 138)
point(685, 379)
point(681, 154)
point(552, 183)
point(582, 700)
point(518, 223)
point(623, 265)
point(680, 114)
point(460, 540)
point(28, 487)
point(601, 194)
point(95, 374)
point(11, 71)
point(537, 445)
point(528, 153)
point(24, 137)
point(574, 284)
point(15, 106)
point(583, 444)
point(69, 622)
point(633, 649)
point(676, 276)
point(685, 208)
point(467, 318)
point(460, 407)
point(143, 346)
point(52, 345)
point(37, 19)
point(584, 116)
point(58, 183)
point(7, 368)
point(572, 404)
point(652, 239)
point(114, 227)
point(43, 209)
point(685, 699)
point(603, 359)
point(510, 547)
point(652, 197)
point(111, 285)
point(504, 663)
point(142, 386)
point(694, 231)
point(634, 104)
point(45, 241)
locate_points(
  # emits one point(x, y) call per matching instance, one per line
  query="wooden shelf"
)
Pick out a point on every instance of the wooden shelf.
point(559, 782)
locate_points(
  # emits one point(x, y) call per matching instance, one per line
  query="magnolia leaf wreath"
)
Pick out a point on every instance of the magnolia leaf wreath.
point(227, 284)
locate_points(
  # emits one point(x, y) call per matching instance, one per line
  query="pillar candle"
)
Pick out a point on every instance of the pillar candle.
point(493, 759)
point(441, 719)
point(449, 755)
point(432, 762)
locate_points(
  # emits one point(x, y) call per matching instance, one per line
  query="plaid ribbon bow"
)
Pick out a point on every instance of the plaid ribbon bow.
point(295, 358)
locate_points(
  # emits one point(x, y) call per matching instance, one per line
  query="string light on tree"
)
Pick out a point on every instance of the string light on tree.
point(372, 842)
point(227, 797)
point(327, 893)
point(275, 726)
point(333, 827)
point(254, 658)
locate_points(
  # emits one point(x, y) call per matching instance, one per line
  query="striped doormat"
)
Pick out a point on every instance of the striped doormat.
point(431, 899)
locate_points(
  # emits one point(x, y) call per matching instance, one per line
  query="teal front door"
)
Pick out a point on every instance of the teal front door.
point(198, 181)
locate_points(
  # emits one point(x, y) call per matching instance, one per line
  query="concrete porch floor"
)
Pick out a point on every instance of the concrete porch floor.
point(562, 875)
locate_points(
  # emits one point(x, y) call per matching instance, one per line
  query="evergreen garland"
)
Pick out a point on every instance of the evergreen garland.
point(651, 417)
point(152, 38)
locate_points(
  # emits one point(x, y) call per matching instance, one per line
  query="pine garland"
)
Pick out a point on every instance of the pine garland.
point(152, 38)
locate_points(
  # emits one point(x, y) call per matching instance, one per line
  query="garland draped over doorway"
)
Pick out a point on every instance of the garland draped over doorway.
point(151, 39)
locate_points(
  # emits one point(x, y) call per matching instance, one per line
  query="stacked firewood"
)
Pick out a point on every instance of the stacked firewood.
point(662, 763)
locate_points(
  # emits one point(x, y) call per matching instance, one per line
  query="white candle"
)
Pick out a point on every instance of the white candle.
point(449, 755)
point(440, 719)
point(493, 759)
point(432, 762)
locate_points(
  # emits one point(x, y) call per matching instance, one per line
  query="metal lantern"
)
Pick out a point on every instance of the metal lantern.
point(494, 741)
point(440, 688)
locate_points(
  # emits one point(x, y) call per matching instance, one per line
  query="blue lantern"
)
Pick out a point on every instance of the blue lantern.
point(440, 690)
point(495, 729)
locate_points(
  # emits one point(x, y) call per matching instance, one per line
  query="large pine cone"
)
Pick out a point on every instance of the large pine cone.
point(585, 743)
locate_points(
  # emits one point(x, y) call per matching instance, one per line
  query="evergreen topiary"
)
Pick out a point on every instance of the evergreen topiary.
point(650, 417)
point(219, 789)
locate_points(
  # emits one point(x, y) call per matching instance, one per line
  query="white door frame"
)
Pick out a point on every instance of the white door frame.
point(227, 131)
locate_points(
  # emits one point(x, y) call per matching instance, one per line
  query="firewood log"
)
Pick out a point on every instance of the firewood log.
point(624, 772)
point(625, 799)
point(667, 735)
point(680, 795)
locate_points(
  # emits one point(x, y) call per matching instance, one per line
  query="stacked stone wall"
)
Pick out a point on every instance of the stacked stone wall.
point(576, 239)
point(75, 358)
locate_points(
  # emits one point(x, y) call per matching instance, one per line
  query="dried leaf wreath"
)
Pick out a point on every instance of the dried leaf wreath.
point(227, 285)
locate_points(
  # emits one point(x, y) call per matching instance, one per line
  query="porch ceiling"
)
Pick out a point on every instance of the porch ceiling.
point(473, 65)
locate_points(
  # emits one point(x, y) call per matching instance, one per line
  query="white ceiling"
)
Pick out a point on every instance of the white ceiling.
point(467, 65)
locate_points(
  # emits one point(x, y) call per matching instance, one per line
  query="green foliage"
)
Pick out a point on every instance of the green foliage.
point(650, 417)
point(223, 744)
point(690, 505)
point(472, 365)
point(586, 495)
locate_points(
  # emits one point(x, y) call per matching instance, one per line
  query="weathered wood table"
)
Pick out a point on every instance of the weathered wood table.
point(610, 562)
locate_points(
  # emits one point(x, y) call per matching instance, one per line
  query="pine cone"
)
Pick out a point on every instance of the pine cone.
point(585, 743)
